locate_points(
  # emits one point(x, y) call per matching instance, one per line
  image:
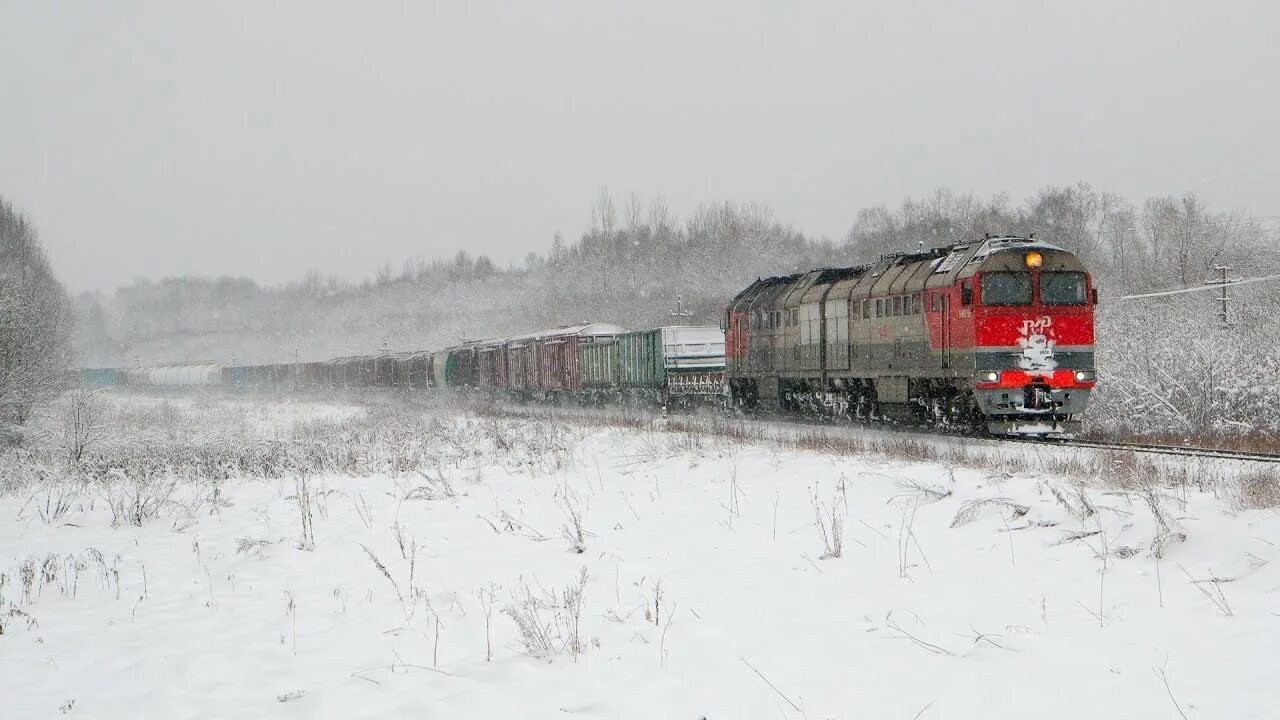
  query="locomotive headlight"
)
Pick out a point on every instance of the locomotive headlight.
point(1034, 260)
point(1086, 376)
point(989, 376)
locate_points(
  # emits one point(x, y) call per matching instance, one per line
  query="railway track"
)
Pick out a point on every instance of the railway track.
point(584, 412)
point(1146, 448)
point(1180, 450)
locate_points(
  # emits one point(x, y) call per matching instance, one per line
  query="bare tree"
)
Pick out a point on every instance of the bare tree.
point(604, 218)
point(660, 219)
point(84, 422)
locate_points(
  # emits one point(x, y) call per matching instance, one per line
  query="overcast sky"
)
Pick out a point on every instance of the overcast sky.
point(266, 139)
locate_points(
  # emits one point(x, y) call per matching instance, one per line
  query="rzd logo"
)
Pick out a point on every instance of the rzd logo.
point(1038, 326)
point(1036, 342)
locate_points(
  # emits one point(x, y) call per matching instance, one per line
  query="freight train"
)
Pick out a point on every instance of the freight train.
point(995, 334)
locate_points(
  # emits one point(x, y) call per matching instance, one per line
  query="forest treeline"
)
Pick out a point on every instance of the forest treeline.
point(629, 265)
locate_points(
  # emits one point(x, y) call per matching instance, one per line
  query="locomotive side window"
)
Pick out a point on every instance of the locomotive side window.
point(1006, 288)
point(915, 304)
point(879, 307)
point(1062, 288)
point(937, 301)
point(966, 292)
point(897, 306)
point(866, 309)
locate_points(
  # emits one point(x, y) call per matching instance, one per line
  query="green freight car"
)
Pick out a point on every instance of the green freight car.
point(670, 365)
point(456, 367)
point(596, 366)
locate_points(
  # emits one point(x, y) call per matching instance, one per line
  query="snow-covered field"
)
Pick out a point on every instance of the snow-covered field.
point(463, 566)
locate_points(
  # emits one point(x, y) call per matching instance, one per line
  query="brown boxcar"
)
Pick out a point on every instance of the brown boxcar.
point(491, 364)
point(557, 354)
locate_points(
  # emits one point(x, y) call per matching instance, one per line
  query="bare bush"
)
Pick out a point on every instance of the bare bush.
point(1211, 588)
point(571, 507)
point(829, 522)
point(1168, 531)
point(135, 500)
point(550, 622)
point(302, 495)
point(56, 499)
point(1074, 500)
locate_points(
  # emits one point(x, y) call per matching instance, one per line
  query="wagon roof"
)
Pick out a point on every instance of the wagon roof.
point(408, 354)
point(581, 330)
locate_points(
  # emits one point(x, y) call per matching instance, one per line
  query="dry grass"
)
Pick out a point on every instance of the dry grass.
point(1122, 470)
point(1257, 489)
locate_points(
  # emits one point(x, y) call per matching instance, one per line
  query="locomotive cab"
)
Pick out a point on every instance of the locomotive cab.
point(1031, 305)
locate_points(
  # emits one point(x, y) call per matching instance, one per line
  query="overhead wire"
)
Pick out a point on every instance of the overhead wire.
point(1212, 286)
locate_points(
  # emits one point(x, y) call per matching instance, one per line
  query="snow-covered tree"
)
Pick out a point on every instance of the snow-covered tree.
point(36, 322)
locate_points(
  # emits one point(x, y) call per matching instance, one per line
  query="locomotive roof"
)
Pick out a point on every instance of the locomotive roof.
point(890, 275)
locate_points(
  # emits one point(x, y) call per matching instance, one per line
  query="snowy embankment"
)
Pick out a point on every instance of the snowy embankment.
point(475, 567)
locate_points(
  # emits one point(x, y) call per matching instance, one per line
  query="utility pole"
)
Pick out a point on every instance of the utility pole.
point(680, 312)
point(1223, 299)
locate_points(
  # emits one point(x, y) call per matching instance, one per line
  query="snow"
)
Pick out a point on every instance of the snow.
point(999, 616)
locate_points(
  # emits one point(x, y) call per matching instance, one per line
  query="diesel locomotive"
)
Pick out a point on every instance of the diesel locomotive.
point(996, 333)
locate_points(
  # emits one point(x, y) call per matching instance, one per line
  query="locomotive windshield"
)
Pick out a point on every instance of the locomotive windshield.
point(1062, 288)
point(1006, 288)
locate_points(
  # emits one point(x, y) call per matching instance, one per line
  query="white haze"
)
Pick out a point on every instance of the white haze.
point(267, 139)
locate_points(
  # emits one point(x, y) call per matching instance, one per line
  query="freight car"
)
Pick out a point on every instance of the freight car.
point(679, 366)
point(542, 365)
point(601, 363)
point(996, 333)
